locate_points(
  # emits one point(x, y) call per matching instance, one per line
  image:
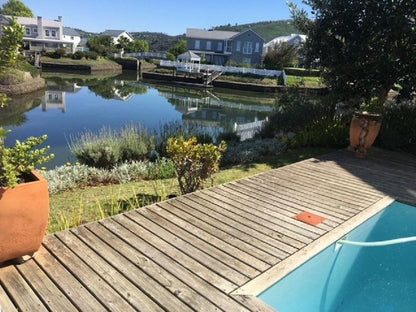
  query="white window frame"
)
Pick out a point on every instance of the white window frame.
point(197, 44)
point(35, 30)
point(47, 33)
point(238, 47)
point(248, 47)
point(209, 45)
point(53, 33)
point(257, 48)
point(28, 31)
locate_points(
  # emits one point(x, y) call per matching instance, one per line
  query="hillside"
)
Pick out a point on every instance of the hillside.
point(158, 41)
point(268, 30)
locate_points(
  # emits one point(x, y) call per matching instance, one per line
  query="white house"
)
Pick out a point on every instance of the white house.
point(293, 39)
point(117, 34)
point(73, 36)
point(39, 33)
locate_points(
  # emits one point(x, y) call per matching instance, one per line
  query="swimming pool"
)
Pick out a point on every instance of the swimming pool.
point(354, 278)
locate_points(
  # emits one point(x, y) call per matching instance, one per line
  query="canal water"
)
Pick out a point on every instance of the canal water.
point(72, 104)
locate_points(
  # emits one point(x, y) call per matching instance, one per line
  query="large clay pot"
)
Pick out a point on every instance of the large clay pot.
point(24, 213)
point(363, 132)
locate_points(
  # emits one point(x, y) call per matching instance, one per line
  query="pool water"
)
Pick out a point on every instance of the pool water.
point(356, 278)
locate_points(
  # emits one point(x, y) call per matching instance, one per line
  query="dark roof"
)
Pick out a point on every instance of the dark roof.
point(209, 34)
point(70, 32)
point(112, 32)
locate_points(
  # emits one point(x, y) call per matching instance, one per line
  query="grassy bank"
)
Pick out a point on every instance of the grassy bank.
point(77, 207)
point(99, 64)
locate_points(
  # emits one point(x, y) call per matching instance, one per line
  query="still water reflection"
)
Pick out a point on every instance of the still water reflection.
point(71, 105)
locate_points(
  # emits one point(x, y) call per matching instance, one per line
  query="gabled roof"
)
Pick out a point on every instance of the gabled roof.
point(112, 32)
point(209, 34)
point(248, 30)
point(68, 31)
point(189, 56)
point(26, 21)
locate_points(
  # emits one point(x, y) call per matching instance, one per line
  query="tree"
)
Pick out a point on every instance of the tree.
point(103, 45)
point(364, 47)
point(178, 48)
point(10, 43)
point(282, 55)
point(138, 46)
point(16, 8)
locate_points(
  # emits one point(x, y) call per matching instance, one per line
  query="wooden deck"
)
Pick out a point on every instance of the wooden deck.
point(191, 253)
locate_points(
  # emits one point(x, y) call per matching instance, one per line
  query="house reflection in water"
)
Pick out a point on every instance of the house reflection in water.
point(55, 96)
point(211, 112)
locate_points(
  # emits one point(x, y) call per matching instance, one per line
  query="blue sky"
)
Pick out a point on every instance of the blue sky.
point(168, 16)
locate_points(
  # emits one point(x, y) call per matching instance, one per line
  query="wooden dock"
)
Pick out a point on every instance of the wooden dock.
point(191, 253)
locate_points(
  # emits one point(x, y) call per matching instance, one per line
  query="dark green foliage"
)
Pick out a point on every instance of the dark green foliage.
point(282, 55)
point(302, 121)
point(137, 46)
point(158, 42)
point(16, 8)
point(228, 137)
point(364, 47)
point(178, 48)
point(78, 55)
point(102, 45)
point(398, 130)
point(91, 55)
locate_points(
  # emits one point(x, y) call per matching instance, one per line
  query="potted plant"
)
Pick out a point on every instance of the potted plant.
point(365, 126)
point(24, 198)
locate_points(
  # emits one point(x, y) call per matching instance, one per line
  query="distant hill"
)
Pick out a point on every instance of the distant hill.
point(158, 42)
point(268, 30)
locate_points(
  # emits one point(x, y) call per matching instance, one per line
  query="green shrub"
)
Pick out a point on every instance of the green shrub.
point(68, 177)
point(101, 150)
point(78, 55)
point(325, 132)
point(135, 143)
point(249, 151)
point(91, 55)
point(108, 147)
point(194, 163)
point(398, 129)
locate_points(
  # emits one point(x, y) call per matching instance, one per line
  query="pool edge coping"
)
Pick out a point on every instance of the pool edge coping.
point(266, 279)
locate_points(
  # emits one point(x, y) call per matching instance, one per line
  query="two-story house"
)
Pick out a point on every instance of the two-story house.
point(72, 36)
point(39, 33)
point(117, 34)
point(219, 47)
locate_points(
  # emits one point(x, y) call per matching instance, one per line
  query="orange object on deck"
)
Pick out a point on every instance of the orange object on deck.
point(309, 218)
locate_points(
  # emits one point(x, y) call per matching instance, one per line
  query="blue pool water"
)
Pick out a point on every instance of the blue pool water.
point(356, 278)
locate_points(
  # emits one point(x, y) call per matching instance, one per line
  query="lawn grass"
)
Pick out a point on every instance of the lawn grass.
point(70, 61)
point(77, 207)
point(308, 82)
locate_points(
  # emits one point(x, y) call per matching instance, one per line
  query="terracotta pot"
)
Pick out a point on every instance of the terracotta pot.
point(24, 213)
point(363, 132)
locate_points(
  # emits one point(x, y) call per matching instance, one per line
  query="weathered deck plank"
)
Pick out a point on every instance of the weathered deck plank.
point(190, 253)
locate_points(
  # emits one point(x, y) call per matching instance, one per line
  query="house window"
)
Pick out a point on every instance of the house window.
point(208, 45)
point(238, 48)
point(47, 32)
point(197, 44)
point(53, 33)
point(228, 46)
point(27, 31)
point(72, 37)
point(35, 30)
point(248, 47)
point(257, 48)
point(219, 46)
